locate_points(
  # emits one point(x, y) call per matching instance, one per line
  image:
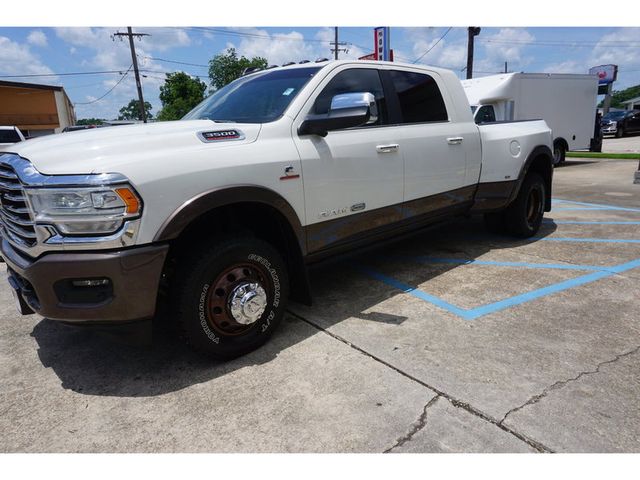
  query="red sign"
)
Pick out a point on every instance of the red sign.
point(371, 56)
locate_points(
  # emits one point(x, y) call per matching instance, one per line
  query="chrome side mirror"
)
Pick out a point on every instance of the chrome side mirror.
point(355, 100)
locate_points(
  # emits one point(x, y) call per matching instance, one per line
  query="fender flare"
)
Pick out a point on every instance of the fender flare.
point(537, 152)
point(207, 201)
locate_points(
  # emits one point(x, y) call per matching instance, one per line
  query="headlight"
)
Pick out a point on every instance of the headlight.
point(84, 210)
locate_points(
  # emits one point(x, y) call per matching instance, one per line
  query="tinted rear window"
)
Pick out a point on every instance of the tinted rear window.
point(420, 97)
point(9, 136)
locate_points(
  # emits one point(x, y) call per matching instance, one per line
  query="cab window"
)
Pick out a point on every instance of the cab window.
point(419, 96)
point(485, 114)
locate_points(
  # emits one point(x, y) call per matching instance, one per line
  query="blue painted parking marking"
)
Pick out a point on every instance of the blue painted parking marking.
point(586, 240)
point(473, 313)
point(595, 272)
point(460, 261)
point(579, 222)
point(595, 206)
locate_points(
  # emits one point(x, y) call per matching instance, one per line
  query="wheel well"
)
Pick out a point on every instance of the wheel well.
point(248, 218)
point(542, 165)
point(561, 141)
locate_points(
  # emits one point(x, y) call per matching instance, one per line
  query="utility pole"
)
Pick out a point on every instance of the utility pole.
point(336, 44)
point(606, 105)
point(134, 60)
point(505, 67)
point(472, 32)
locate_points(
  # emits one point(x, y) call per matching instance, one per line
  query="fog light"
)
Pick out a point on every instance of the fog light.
point(91, 282)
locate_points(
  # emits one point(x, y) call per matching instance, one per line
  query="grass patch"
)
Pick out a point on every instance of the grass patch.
point(615, 156)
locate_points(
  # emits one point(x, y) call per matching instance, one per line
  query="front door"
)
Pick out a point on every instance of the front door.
point(353, 178)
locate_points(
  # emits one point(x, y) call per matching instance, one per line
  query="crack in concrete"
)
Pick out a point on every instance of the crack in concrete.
point(455, 402)
point(561, 383)
point(416, 426)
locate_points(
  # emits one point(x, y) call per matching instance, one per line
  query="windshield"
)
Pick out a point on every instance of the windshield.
point(257, 98)
point(614, 115)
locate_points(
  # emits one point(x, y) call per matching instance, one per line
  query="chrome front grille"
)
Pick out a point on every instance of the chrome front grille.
point(15, 217)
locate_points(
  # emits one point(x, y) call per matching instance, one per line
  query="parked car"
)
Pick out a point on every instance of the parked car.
point(621, 122)
point(227, 208)
point(567, 102)
point(10, 135)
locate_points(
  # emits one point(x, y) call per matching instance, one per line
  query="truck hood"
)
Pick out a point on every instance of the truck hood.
point(111, 149)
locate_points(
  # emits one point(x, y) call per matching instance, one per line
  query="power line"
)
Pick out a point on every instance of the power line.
point(32, 75)
point(146, 70)
point(569, 44)
point(174, 61)
point(109, 91)
point(433, 46)
point(253, 35)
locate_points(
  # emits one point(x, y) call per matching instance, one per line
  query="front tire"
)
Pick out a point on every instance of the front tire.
point(524, 216)
point(230, 296)
point(620, 132)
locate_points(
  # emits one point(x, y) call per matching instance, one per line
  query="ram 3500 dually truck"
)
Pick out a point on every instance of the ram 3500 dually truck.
point(227, 207)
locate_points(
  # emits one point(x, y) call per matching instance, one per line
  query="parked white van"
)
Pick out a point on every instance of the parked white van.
point(566, 102)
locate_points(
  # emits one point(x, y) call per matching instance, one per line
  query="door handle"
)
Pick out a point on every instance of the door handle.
point(387, 148)
point(455, 140)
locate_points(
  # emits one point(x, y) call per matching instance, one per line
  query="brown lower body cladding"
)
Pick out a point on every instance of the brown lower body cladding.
point(114, 286)
point(345, 232)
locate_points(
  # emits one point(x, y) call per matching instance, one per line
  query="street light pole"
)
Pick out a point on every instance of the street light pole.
point(472, 32)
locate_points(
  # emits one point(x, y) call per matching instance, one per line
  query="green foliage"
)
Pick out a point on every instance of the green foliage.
point(132, 111)
point(226, 67)
point(619, 96)
point(90, 121)
point(179, 94)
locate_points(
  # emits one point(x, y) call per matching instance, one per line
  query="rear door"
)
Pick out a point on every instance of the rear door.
point(433, 144)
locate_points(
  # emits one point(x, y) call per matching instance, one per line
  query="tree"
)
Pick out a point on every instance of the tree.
point(226, 67)
point(619, 96)
point(132, 111)
point(90, 121)
point(179, 94)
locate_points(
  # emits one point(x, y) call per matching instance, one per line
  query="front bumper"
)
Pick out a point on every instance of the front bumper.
point(609, 129)
point(46, 285)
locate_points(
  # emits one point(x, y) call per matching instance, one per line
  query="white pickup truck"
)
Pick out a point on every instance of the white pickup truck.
point(227, 207)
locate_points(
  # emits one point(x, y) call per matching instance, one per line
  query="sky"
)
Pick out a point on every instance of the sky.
point(51, 52)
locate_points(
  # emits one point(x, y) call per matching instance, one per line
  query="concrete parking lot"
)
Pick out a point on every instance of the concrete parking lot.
point(629, 144)
point(453, 340)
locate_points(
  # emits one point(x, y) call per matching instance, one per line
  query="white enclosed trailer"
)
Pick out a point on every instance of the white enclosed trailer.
point(566, 102)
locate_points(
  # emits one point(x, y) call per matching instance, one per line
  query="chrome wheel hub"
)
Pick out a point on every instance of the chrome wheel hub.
point(247, 302)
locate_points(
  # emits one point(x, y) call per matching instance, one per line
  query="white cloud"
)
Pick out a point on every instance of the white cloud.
point(568, 66)
point(17, 59)
point(507, 44)
point(162, 39)
point(276, 48)
point(429, 47)
point(323, 50)
point(37, 38)
point(280, 48)
point(613, 48)
point(109, 53)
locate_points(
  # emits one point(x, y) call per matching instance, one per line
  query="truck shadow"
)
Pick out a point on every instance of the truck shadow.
point(90, 362)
